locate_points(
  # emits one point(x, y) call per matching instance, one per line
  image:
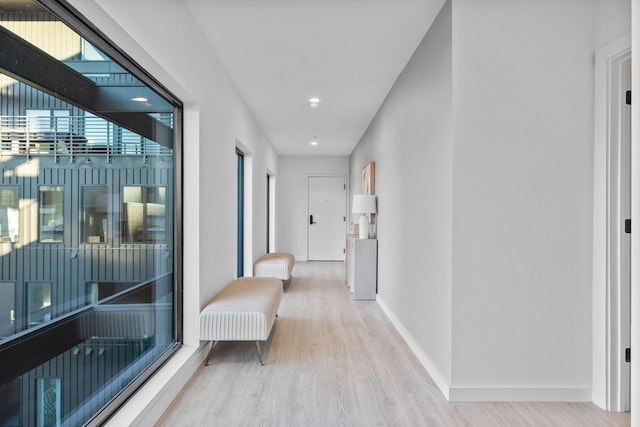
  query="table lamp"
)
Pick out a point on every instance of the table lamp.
point(364, 204)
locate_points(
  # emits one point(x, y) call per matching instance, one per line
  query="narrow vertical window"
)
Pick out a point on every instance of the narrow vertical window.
point(51, 214)
point(271, 212)
point(49, 400)
point(38, 303)
point(9, 214)
point(268, 212)
point(144, 214)
point(95, 214)
point(240, 218)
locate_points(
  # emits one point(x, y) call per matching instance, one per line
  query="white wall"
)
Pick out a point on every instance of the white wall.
point(492, 287)
point(410, 141)
point(216, 118)
point(523, 159)
point(292, 197)
point(612, 20)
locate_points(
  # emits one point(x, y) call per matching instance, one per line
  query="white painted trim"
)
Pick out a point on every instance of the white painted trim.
point(519, 394)
point(483, 393)
point(440, 380)
point(149, 403)
point(602, 310)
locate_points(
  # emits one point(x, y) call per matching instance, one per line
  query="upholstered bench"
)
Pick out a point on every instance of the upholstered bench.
point(244, 310)
point(275, 264)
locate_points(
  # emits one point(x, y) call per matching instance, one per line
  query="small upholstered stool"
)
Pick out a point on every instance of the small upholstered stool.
point(275, 264)
point(244, 310)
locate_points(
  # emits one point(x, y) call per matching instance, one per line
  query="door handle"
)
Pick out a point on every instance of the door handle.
point(311, 222)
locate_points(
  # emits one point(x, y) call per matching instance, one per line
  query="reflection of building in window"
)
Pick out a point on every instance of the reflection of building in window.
point(51, 214)
point(9, 214)
point(95, 214)
point(61, 189)
point(7, 312)
point(38, 303)
point(48, 402)
point(144, 214)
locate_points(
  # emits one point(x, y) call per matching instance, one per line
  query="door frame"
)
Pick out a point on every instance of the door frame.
point(610, 386)
point(635, 216)
point(346, 199)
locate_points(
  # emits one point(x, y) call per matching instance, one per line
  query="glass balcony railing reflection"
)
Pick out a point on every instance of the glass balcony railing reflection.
point(73, 136)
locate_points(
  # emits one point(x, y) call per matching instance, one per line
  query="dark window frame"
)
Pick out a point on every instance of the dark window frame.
point(240, 213)
point(74, 19)
point(269, 177)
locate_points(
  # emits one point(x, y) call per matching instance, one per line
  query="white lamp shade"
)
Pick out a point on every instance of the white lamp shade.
point(363, 203)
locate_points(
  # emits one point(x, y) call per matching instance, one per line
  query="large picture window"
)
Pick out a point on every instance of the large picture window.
point(90, 195)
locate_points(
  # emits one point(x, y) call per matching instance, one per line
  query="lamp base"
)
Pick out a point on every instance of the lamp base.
point(363, 227)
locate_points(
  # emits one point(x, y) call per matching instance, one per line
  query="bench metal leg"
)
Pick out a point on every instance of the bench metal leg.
point(212, 345)
point(259, 353)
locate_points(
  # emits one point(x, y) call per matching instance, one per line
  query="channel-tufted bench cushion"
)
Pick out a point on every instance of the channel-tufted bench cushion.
point(275, 264)
point(244, 310)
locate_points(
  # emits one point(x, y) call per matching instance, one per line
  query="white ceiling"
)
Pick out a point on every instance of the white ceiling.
point(348, 53)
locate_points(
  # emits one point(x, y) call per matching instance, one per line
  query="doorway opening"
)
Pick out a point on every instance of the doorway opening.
point(612, 238)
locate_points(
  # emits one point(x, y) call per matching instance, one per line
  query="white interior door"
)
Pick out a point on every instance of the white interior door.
point(326, 220)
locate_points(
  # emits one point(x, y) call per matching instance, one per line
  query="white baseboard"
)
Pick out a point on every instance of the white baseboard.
point(432, 370)
point(519, 394)
point(149, 403)
point(455, 393)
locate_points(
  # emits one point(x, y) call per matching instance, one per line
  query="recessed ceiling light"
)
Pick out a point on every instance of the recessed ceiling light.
point(139, 99)
point(314, 141)
point(314, 102)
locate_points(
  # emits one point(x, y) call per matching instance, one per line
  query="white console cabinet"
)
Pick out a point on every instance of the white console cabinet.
point(362, 267)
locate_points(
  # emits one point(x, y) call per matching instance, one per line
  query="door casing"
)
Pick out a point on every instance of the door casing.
point(611, 247)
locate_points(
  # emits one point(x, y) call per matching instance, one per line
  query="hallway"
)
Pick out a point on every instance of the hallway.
point(334, 361)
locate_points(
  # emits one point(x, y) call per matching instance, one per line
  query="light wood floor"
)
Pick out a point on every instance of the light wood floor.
point(333, 361)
